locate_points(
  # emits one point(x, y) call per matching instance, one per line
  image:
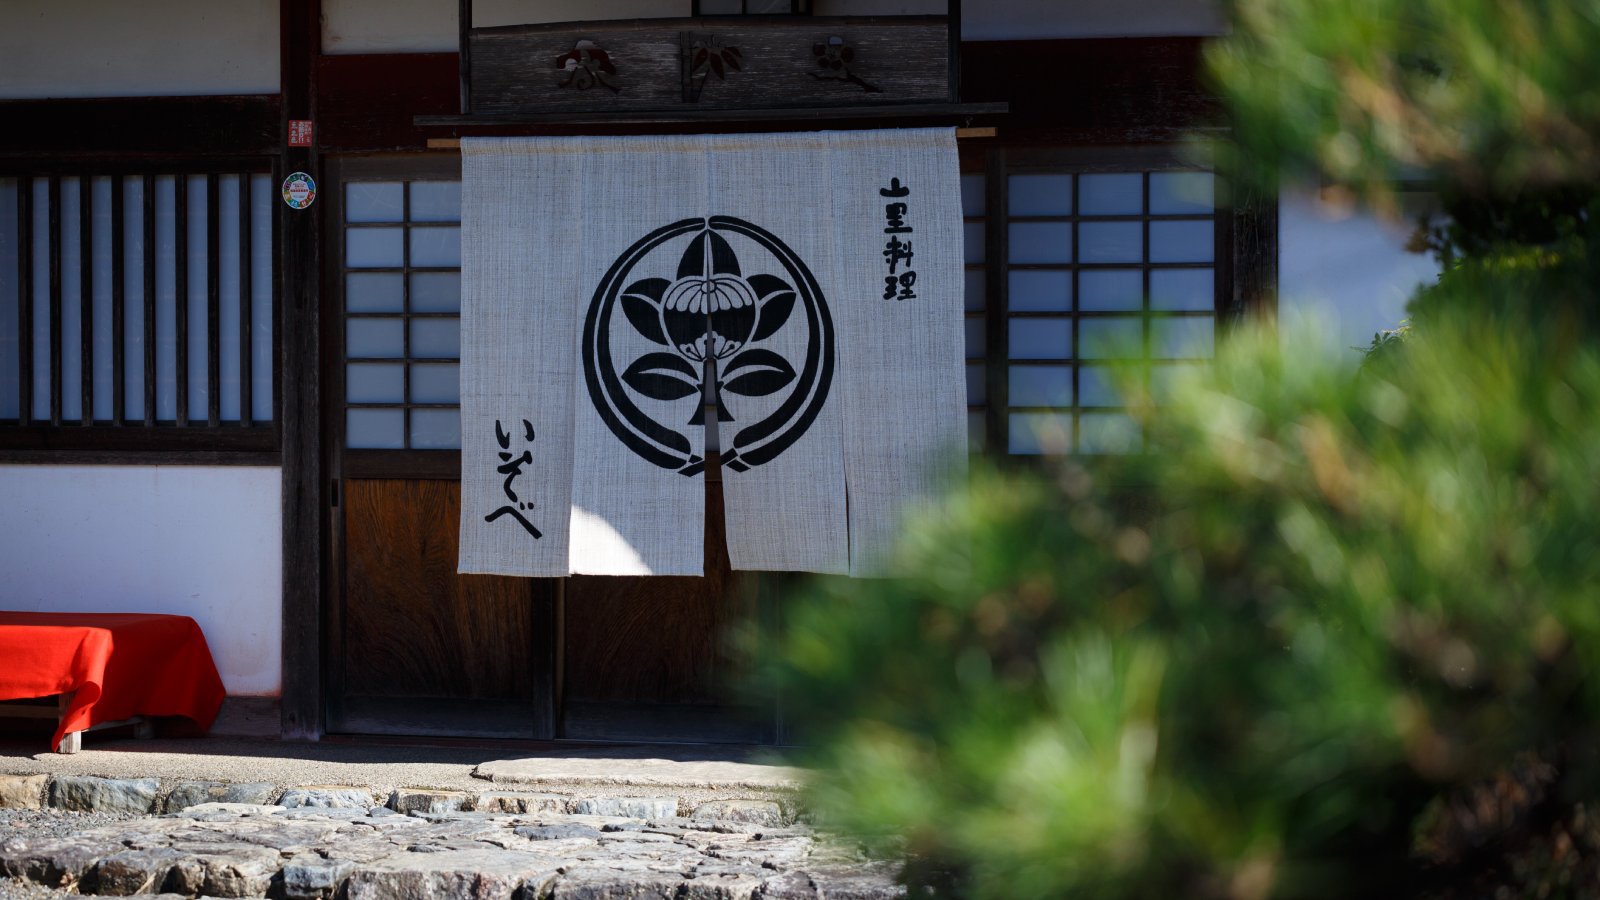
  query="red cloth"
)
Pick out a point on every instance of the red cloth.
point(119, 665)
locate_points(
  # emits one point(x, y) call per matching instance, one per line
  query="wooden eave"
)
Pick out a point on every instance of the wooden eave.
point(900, 115)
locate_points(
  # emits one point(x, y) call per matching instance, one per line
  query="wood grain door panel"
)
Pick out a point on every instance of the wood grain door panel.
point(417, 636)
point(411, 647)
point(656, 658)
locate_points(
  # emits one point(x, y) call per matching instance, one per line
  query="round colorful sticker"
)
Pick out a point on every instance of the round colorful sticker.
point(299, 190)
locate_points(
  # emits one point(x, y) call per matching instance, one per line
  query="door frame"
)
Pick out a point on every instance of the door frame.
point(557, 718)
point(342, 465)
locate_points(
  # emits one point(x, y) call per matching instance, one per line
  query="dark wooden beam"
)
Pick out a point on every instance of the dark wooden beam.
point(148, 203)
point(1092, 91)
point(180, 278)
point(428, 465)
point(1254, 257)
point(71, 436)
point(131, 127)
point(808, 118)
point(366, 103)
point(77, 456)
point(25, 276)
point(996, 349)
point(463, 26)
point(119, 401)
point(953, 53)
point(54, 218)
point(304, 483)
point(213, 303)
point(246, 304)
point(1126, 90)
point(85, 300)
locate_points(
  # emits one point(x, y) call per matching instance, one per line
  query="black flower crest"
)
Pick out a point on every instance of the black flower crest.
point(710, 311)
point(764, 340)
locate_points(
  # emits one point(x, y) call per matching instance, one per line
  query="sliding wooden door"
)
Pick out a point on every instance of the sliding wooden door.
point(414, 648)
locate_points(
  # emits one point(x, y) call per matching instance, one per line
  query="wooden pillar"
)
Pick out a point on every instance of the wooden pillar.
point(304, 482)
point(1254, 257)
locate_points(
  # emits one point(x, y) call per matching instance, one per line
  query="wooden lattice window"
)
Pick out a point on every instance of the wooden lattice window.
point(400, 267)
point(136, 309)
point(1075, 274)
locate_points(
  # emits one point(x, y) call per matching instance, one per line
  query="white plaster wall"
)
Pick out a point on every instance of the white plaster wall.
point(203, 542)
point(426, 26)
point(122, 48)
point(1343, 274)
point(407, 26)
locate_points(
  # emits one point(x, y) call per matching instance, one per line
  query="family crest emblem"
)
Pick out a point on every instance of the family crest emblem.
point(708, 298)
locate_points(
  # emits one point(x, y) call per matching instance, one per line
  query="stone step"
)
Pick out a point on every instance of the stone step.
point(770, 801)
point(697, 775)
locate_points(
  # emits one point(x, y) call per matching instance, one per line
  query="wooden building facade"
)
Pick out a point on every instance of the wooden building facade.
point(166, 314)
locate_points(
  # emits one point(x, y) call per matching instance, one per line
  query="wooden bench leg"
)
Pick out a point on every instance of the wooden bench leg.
point(71, 742)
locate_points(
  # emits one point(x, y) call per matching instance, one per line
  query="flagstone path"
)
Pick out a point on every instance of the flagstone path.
point(514, 846)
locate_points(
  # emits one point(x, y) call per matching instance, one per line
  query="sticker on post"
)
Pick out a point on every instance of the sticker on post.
point(299, 190)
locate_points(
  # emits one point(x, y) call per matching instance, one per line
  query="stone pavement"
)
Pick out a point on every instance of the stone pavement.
point(251, 850)
point(603, 824)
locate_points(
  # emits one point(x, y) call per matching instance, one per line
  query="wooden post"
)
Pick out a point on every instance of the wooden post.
point(464, 53)
point(997, 349)
point(300, 398)
point(1253, 257)
point(952, 11)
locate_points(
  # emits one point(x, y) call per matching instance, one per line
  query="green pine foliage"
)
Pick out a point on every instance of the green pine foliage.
point(1335, 632)
point(1257, 660)
point(1493, 96)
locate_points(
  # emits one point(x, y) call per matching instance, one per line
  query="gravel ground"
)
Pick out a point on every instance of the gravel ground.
point(35, 823)
point(16, 889)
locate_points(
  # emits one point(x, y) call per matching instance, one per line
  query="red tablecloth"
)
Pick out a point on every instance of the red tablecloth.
point(118, 664)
